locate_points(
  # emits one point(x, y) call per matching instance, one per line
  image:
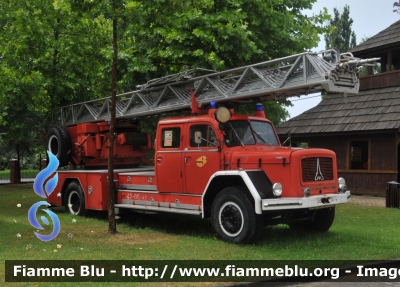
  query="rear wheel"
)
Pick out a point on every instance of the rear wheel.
point(321, 221)
point(74, 200)
point(233, 217)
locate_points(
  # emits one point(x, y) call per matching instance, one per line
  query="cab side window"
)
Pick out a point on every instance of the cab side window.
point(202, 136)
point(171, 138)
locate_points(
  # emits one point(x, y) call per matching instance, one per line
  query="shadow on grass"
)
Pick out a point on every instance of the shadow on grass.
point(176, 224)
point(195, 226)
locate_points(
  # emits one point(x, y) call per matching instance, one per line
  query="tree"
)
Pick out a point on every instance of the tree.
point(50, 55)
point(340, 34)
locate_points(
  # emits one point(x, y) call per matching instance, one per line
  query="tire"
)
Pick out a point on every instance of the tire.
point(321, 222)
point(233, 217)
point(58, 142)
point(74, 199)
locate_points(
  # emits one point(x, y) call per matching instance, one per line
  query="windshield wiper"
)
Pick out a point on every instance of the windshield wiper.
point(236, 134)
point(260, 136)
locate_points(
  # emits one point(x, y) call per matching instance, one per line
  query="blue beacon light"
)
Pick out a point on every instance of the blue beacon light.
point(213, 104)
point(259, 112)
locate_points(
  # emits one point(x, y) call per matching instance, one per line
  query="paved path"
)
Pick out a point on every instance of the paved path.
point(368, 200)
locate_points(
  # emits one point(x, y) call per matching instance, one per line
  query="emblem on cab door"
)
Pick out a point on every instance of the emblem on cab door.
point(201, 161)
point(318, 175)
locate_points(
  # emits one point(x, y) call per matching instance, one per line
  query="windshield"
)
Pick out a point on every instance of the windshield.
point(264, 133)
point(238, 133)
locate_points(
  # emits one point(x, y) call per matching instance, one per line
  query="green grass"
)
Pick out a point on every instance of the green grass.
point(358, 233)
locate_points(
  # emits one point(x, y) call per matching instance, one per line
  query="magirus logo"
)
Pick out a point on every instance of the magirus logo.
point(49, 187)
point(318, 175)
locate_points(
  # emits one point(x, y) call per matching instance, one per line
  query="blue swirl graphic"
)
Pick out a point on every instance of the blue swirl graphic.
point(33, 221)
point(49, 187)
point(44, 174)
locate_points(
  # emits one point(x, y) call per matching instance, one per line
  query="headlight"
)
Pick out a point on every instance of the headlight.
point(307, 191)
point(277, 189)
point(342, 185)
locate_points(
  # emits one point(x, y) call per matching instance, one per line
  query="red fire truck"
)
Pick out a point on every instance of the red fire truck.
point(209, 162)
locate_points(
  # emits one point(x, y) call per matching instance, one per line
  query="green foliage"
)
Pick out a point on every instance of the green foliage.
point(340, 34)
point(165, 37)
point(162, 37)
point(50, 56)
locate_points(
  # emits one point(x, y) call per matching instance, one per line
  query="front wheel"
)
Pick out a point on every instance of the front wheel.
point(74, 199)
point(233, 217)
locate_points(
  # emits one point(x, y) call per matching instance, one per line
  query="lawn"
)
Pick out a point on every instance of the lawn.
point(358, 233)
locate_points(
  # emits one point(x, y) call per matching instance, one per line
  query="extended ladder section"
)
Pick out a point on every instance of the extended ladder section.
point(296, 75)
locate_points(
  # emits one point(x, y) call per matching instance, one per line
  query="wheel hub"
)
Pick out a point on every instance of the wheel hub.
point(231, 218)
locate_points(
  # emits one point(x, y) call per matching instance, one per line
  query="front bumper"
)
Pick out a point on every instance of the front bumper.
point(310, 202)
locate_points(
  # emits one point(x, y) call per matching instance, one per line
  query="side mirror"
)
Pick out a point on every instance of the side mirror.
point(197, 137)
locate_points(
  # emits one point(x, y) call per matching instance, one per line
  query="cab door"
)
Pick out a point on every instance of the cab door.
point(201, 157)
point(169, 158)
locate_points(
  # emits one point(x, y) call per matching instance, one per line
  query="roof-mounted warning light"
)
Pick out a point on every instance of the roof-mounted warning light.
point(212, 109)
point(259, 112)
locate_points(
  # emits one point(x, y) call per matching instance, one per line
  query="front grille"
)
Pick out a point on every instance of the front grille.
point(317, 169)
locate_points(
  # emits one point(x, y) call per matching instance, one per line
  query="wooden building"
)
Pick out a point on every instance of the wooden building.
point(362, 129)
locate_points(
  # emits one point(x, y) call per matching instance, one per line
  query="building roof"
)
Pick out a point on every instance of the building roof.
point(390, 35)
point(369, 110)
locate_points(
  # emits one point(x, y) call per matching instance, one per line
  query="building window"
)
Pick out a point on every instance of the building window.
point(359, 155)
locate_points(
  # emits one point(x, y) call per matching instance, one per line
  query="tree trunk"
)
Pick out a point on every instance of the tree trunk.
point(112, 228)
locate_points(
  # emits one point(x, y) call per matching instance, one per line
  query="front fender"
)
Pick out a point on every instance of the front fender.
point(223, 179)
